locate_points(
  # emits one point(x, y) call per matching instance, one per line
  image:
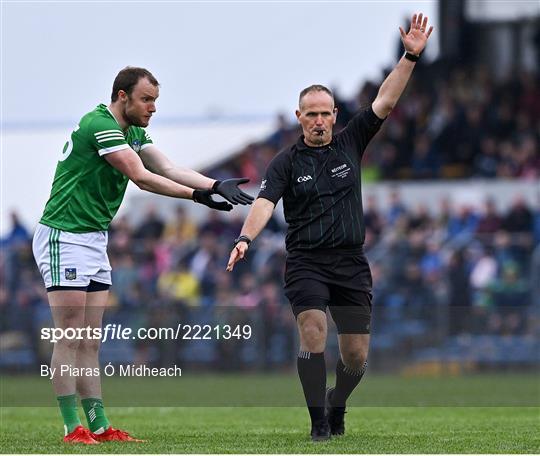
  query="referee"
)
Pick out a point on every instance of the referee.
point(319, 181)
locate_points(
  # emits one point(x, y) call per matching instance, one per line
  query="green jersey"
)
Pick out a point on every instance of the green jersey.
point(87, 191)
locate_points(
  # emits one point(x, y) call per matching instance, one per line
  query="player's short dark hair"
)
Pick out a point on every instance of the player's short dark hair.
point(314, 88)
point(128, 78)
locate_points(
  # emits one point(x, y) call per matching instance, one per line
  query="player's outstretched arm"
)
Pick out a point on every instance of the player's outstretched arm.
point(414, 42)
point(258, 217)
point(129, 163)
point(158, 162)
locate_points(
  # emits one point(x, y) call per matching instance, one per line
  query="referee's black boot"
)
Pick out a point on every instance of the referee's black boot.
point(335, 415)
point(320, 430)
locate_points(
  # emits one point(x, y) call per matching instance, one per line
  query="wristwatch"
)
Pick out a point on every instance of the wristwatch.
point(242, 238)
point(412, 57)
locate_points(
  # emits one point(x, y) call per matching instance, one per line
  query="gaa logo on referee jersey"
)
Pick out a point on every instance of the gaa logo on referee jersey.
point(136, 145)
point(304, 178)
point(71, 273)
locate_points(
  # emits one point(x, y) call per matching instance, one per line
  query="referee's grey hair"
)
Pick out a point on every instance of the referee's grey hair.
point(314, 88)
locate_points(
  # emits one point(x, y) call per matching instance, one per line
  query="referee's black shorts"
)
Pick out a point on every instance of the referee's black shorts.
point(337, 278)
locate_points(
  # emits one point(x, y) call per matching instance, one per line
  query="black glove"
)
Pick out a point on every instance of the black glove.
point(230, 191)
point(205, 197)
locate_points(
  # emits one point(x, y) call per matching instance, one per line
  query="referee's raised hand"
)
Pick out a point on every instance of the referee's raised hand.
point(414, 41)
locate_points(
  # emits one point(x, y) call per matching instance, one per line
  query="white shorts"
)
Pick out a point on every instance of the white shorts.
point(71, 259)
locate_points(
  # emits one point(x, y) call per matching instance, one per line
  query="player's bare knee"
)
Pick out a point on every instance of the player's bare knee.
point(313, 337)
point(89, 346)
point(67, 343)
point(312, 327)
point(354, 359)
point(313, 333)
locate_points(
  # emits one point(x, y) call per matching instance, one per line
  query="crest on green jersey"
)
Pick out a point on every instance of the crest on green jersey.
point(136, 145)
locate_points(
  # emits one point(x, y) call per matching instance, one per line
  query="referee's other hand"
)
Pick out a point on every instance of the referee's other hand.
point(237, 253)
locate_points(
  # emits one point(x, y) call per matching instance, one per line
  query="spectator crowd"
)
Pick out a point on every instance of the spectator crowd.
point(450, 123)
point(459, 270)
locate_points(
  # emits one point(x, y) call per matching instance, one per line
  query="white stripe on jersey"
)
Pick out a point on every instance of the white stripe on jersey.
point(112, 138)
point(109, 135)
point(108, 150)
point(104, 132)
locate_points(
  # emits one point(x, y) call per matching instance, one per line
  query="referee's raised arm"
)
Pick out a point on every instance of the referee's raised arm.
point(414, 42)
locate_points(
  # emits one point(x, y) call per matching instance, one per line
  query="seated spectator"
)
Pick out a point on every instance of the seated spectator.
point(420, 219)
point(527, 157)
point(120, 235)
point(519, 218)
point(180, 230)
point(181, 286)
point(510, 298)
point(424, 163)
point(464, 223)
point(396, 208)
point(151, 226)
point(17, 234)
point(487, 161)
point(490, 221)
point(278, 139)
point(373, 219)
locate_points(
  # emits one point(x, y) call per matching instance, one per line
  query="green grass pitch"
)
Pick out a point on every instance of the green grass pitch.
point(509, 425)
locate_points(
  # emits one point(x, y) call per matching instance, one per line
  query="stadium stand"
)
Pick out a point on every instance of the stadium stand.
point(457, 289)
point(455, 281)
point(452, 123)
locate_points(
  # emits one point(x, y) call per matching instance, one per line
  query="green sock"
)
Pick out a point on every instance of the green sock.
point(95, 414)
point(68, 408)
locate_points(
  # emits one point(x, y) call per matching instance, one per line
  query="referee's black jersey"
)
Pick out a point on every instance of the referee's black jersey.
point(321, 189)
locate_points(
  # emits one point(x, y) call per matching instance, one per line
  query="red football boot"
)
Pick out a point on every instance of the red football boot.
point(81, 435)
point(115, 435)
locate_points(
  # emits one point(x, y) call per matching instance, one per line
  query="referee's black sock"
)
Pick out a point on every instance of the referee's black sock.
point(346, 381)
point(312, 372)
